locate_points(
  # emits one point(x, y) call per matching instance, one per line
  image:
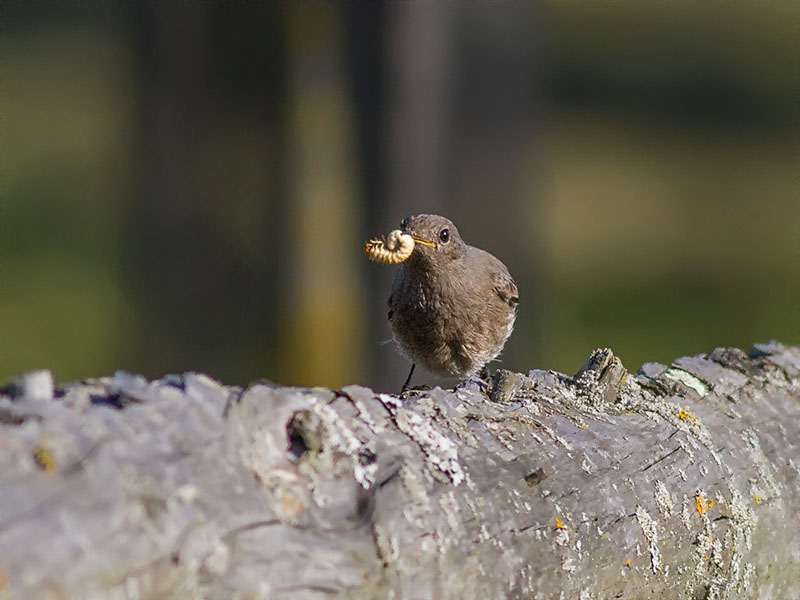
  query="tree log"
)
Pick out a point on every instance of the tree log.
point(681, 481)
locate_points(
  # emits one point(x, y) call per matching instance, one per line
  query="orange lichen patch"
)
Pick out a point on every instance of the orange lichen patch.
point(521, 419)
point(699, 503)
point(757, 499)
point(628, 563)
point(290, 504)
point(584, 425)
point(702, 505)
point(560, 524)
point(44, 459)
point(685, 414)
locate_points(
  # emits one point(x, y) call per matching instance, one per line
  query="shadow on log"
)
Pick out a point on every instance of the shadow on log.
point(682, 481)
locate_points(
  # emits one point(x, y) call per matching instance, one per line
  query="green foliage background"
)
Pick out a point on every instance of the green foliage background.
point(188, 186)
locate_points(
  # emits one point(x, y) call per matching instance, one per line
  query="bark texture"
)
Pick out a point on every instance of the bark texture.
point(681, 481)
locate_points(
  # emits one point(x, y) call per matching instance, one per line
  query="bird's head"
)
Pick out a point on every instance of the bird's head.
point(436, 238)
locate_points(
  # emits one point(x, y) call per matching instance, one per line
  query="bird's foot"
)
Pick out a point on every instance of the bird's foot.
point(476, 383)
point(414, 391)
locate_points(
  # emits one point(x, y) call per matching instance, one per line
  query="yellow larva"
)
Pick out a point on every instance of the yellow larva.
point(397, 248)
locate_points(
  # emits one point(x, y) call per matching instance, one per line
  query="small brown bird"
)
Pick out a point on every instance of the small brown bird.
point(452, 305)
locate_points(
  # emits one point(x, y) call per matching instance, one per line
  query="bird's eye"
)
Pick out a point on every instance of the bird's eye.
point(444, 236)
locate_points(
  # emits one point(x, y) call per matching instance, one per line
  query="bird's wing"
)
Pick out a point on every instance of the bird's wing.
point(506, 288)
point(390, 305)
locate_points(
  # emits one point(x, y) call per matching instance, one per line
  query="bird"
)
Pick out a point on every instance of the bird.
point(452, 306)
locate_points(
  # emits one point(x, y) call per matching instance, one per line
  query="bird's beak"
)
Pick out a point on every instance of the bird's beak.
point(423, 242)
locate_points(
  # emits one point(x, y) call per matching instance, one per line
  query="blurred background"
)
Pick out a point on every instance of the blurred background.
point(188, 186)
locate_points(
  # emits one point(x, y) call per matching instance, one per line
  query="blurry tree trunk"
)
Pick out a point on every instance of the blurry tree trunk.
point(201, 276)
point(325, 307)
point(164, 224)
point(366, 26)
point(418, 51)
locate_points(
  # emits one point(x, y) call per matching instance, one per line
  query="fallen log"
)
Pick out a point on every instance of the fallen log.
point(681, 481)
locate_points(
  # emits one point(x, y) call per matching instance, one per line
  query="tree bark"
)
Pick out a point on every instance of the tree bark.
point(681, 481)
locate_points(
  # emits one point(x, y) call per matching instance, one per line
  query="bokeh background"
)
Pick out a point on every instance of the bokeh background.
point(188, 186)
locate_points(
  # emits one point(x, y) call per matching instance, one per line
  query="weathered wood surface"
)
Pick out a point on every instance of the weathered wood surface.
point(678, 482)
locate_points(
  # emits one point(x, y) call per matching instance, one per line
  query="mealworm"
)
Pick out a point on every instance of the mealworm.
point(397, 248)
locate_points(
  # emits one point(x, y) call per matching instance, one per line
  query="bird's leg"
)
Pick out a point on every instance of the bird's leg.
point(408, 379)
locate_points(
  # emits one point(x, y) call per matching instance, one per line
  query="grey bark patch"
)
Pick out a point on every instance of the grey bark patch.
point(600, 485)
